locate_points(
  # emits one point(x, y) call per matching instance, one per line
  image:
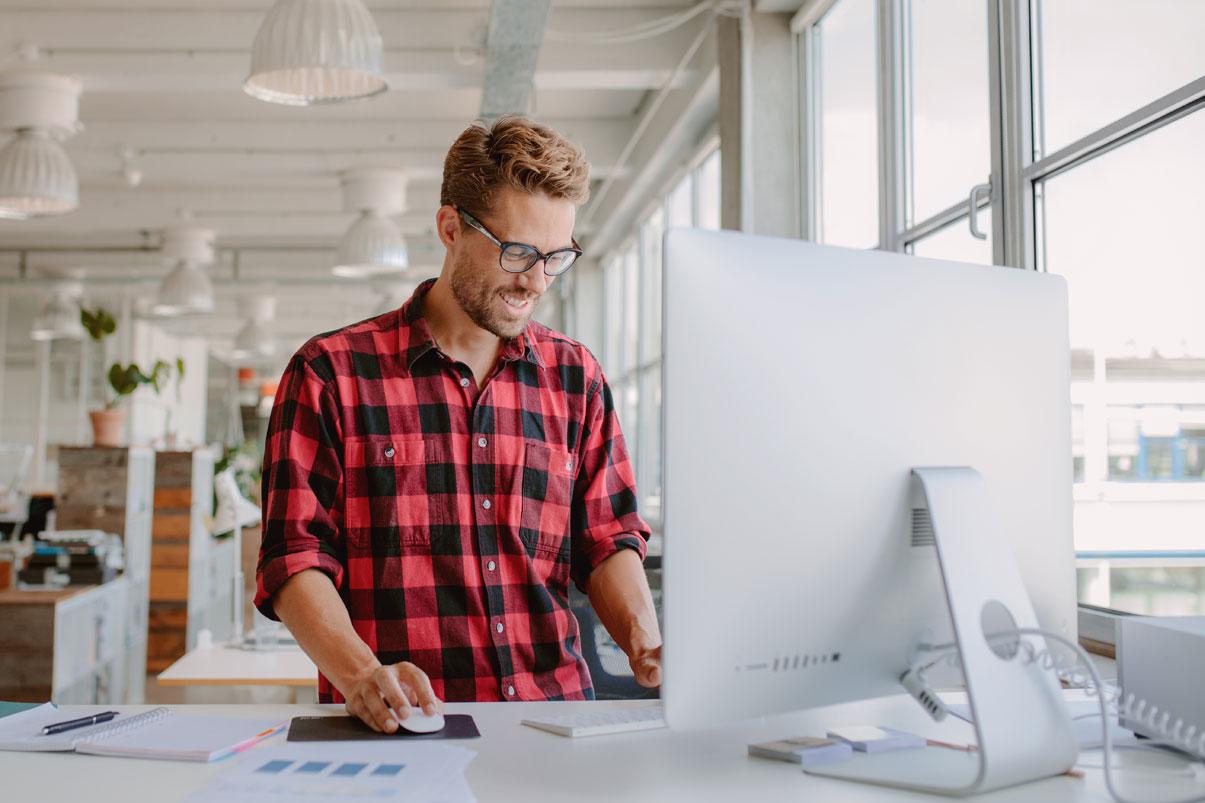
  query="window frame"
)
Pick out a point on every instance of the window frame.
point(622, 376)
point(1019, 167)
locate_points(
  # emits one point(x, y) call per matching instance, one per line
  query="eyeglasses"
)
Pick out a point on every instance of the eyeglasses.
point(520, 257)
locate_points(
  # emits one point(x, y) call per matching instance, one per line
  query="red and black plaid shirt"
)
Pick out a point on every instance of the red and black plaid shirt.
point(450, 519)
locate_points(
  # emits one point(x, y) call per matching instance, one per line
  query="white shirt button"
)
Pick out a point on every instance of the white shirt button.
point(568, 465)
point(510, 691)
point(491, 566)
point(464, 383)
point(499, 627)
point(482, 442)
point(486, 504)
point(389, 452)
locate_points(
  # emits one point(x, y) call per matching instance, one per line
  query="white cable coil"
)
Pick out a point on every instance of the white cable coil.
point(1181, 735)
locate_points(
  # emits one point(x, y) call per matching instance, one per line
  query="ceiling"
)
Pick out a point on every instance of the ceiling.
point(162, 82)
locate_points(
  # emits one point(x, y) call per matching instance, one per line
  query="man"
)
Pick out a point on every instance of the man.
point(435, 476)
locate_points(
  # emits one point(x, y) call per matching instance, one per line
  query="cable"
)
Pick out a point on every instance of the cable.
point(1174, 735)
point(634, 33)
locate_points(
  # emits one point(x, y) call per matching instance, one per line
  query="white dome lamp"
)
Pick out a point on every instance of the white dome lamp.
point(374, 244)
point(37, 178)
point(254, 343)
point(60, 318)
point(309, 52)
point(186, 290)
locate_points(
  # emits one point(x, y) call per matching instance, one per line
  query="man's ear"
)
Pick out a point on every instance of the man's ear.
point(447, 225)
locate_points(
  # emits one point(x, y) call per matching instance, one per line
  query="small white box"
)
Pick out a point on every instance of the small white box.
point(1159, 660)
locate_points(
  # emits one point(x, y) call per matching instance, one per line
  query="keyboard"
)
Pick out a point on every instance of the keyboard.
point(620, 720)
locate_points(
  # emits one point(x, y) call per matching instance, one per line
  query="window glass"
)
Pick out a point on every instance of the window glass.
point(679, 208)
point(1121, 228)
point(650, 440)
point(848, 186)
point(631, 305)
point(1102, 59)
point(613, 313)
point(651, 234)
point(951, 144)
point(707, 185)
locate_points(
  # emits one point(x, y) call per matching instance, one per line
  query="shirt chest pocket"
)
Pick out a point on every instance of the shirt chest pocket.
point(386, 499)
point(547, 492)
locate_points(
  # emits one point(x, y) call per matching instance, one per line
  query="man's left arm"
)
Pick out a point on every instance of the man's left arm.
point(610, 537)
point(619, 591)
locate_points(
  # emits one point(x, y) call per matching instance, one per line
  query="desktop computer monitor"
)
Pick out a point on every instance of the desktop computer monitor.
point(802, 385)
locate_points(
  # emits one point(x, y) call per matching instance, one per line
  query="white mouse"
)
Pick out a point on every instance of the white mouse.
point(418, 722)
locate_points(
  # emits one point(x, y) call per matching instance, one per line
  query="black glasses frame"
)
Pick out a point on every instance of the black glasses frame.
point(535, 255)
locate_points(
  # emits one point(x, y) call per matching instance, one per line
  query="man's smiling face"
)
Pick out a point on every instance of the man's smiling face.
point(497, 301)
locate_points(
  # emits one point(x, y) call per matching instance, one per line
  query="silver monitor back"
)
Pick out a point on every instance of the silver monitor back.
point(802, 383)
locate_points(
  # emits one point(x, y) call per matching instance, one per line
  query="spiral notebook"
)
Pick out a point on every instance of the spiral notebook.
point(158, 733)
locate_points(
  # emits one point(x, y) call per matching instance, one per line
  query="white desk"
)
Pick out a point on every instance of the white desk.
point(222, 665)
point(517, 763)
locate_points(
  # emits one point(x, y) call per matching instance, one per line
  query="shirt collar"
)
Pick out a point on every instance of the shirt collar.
point(416, 340)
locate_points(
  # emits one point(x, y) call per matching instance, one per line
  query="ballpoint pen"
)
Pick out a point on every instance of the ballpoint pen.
point(82, 722)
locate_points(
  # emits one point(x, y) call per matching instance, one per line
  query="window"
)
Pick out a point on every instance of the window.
point(843, 47)
point(951, 146)
point(1117, 225)
point(955, 242)
point(948, 140)
point(1101, 59)
point(632, 321)
point(1085, 167)
point(707, 193)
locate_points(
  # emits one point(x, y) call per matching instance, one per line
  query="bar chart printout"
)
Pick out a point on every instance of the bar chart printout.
point(327, 772)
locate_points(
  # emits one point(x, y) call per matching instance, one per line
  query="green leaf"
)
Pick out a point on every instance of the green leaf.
point(179, 370)
point(125, 379)
point(158, 373)
point(98, 322)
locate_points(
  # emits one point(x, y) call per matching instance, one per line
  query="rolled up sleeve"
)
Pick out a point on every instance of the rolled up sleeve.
point(302, 482)
point(604, 515)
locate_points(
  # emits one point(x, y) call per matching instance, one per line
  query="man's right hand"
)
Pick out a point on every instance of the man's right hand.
point(398, 687)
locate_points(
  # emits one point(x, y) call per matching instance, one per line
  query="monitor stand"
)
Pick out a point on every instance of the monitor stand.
point(1022, 726)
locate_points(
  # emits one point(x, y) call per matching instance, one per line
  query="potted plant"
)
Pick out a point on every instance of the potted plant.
point(107, 424)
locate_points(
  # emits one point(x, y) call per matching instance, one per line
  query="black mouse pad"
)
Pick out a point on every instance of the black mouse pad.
point(346, 729)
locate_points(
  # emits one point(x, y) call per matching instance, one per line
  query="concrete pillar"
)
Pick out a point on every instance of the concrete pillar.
point(759, 124)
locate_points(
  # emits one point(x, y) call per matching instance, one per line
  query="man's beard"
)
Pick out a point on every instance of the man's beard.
point(478, 298)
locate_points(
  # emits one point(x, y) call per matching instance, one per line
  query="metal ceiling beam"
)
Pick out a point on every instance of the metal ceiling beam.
point(414, 70)
point(403, 26)
point(511, 53)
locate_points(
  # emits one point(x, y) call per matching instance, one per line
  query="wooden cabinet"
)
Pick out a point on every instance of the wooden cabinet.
point(69, 646)
point(111, 489)
point(191, 572)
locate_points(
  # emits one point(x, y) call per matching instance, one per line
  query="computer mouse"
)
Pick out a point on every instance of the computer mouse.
point(418, 722)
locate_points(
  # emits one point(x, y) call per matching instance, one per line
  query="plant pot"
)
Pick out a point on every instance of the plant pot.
point(107, 426)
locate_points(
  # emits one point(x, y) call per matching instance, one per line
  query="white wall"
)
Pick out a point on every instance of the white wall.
point(148, 412)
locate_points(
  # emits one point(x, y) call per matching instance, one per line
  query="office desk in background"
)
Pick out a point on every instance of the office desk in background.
point(517, 763)
point(224, 665)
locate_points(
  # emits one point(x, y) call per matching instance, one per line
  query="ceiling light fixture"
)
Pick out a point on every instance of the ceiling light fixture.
point(37, 178)
point(254, 343)
point(186, 290)
point(373, 245)
point(309, 52)
point(60, 318)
